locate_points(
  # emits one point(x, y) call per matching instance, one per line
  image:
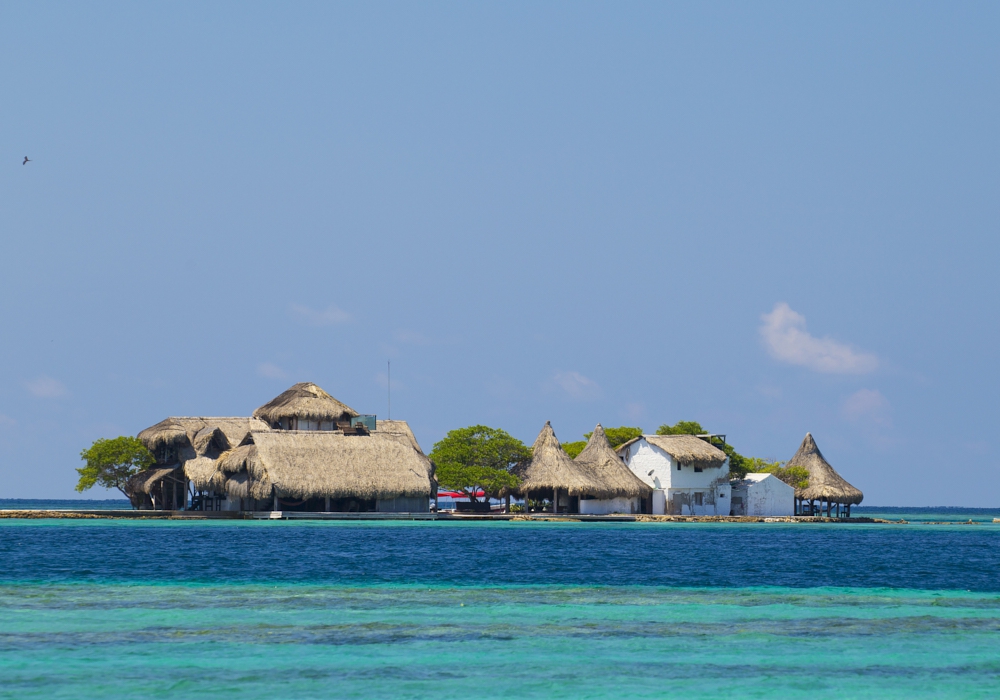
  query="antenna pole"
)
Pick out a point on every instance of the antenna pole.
point(388, 385)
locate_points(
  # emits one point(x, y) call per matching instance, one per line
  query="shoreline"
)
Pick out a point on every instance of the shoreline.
point(440, 516)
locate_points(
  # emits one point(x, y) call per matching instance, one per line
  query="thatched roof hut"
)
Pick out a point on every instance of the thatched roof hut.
point(304, 401)
point(686, 449)
point(825, 484)
point(304, 464)
point(551, 468)
point(199, 433)
point(144, 481)
point(606, 466)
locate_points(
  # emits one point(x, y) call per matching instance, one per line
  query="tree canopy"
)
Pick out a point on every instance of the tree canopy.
point(478, 457)
point(616, 436)
point(110, 463)
point(573, 449)
point(738, 467)
point(796, 477)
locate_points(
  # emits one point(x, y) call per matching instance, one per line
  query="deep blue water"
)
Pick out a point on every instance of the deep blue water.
point(513, 553)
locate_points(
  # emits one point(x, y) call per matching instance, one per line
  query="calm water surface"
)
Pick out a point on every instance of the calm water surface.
point(411, 610)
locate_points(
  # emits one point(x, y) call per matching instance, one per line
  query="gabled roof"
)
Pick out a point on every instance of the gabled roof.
point(304, 400)
point(825, 484)
point(607, 467)
point(686, 449)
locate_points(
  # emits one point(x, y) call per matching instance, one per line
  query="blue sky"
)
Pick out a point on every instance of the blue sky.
point(771, 218)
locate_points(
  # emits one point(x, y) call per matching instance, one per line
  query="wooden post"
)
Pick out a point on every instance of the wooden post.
point(555, 500)
point(275, 500)
point(327, 505)
point(507, 504)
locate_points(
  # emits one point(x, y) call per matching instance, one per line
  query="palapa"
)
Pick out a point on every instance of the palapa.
point(607, 467)
point(310, 464)
point(304, 400)
point(199, 433)
point(825, 484)
point(144, 481)
point(551, 468)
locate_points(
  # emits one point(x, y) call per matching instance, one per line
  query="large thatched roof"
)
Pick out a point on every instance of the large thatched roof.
point(199, 433)
point(686, 449)
point(550, 467)
point(309, 464)
point(304, 400)
point(606, 466)
point(825, 484)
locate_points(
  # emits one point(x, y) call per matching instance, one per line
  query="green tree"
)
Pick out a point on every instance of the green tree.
point(738, 464)
point(796, 477)
point(478, 457)
point(619, 436)
point(574, 448)
point(682, 427)
point(110, 463)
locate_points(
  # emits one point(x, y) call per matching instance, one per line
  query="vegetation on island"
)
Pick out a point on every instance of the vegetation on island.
point(478, 458)
point(111, 462)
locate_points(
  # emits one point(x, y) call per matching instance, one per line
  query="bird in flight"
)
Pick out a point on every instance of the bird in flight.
point(26, 160)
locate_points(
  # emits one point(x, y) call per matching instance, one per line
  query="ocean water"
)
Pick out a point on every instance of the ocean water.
point(246, 609)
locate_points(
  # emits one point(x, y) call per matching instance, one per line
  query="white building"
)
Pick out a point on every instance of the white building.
point(762, 494)
point(689, 476)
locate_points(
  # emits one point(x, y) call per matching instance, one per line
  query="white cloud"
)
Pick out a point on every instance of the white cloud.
point(331, 316)
point(46, 388)
point(786, 339)
point(576, 386)
point(266, 369)
point(867, 405)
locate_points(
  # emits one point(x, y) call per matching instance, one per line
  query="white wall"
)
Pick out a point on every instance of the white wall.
point(765, 495)
point(606, 506)
point(659, 469)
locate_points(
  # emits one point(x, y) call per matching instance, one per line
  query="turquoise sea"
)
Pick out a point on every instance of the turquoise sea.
point(243, 609)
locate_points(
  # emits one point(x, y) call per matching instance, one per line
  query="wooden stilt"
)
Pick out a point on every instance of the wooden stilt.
point(555, 500)
point(327, 506)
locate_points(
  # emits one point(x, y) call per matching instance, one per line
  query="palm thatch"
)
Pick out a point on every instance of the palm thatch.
point(144, 481)
point(551, 468)
point(309, 464)
point(400, 429)
point(304, 400)
point(607, 467)
point(200, 434)
point(201, 472)
point(686, 449)
point(825, 484)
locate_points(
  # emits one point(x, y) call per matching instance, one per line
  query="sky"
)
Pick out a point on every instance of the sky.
point(771, 218)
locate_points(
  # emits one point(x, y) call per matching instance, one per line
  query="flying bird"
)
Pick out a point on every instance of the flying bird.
point(26, 160)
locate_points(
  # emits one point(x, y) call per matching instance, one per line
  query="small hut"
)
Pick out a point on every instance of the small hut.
point(826, 486)
point(622, 491)
point(551, 473)
point(305, 407)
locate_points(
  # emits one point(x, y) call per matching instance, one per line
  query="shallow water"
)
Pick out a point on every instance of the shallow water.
point(247, 609)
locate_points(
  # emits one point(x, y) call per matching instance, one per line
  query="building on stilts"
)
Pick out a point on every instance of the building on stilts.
point(828, 493)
